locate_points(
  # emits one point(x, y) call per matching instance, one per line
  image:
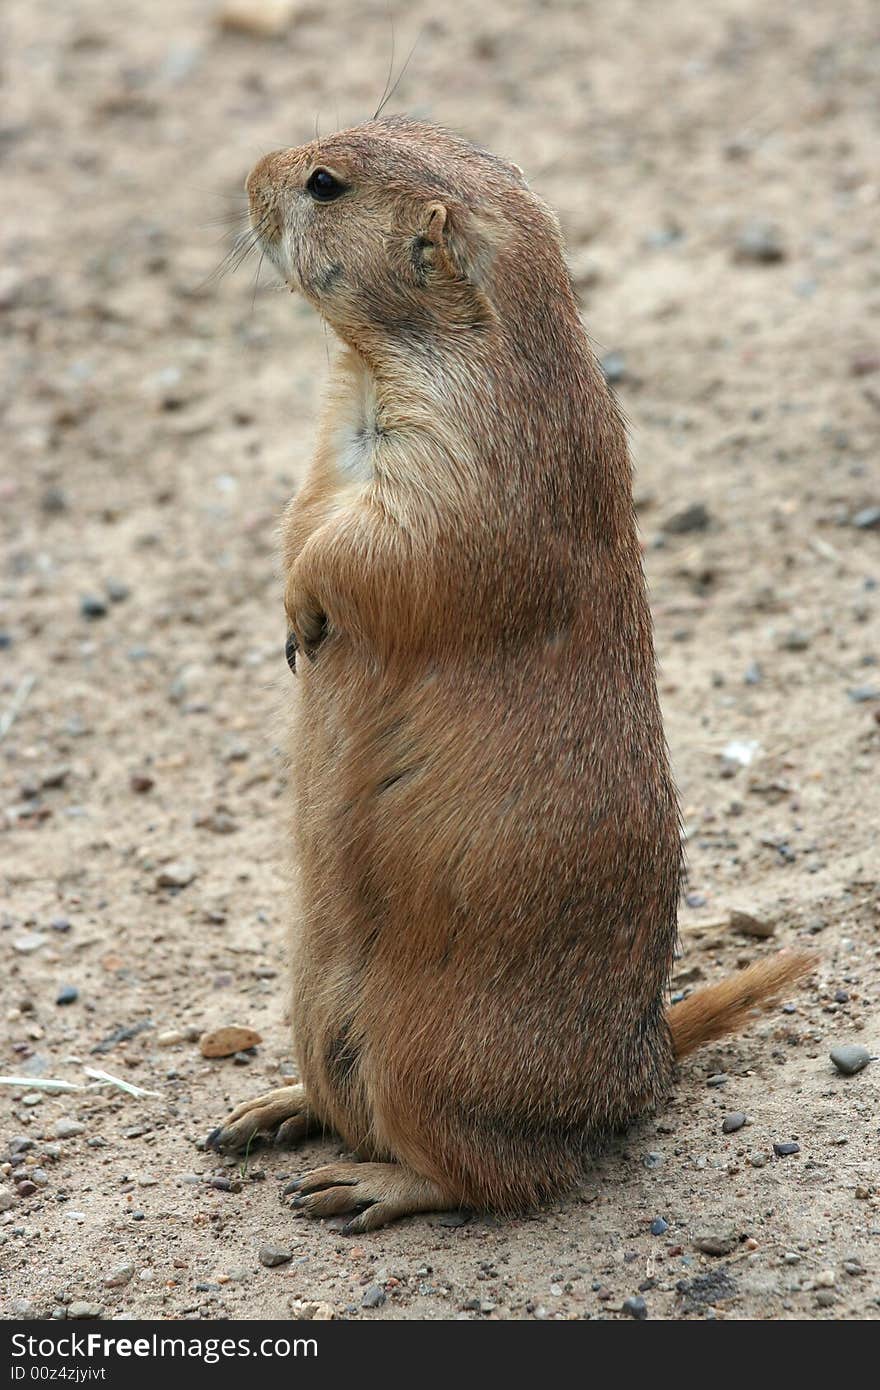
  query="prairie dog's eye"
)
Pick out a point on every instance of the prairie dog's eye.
point(324, 187)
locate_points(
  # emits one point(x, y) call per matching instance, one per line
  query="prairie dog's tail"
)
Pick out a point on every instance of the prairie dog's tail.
point(717, 1010)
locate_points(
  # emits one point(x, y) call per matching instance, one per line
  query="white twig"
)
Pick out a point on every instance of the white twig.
point(118, 1082)
point(17, 703)
point(827, 551)
point(39, 1083)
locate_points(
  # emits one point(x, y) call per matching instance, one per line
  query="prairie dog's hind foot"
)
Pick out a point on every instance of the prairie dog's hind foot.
point(284, 1115)
point(371, 1193)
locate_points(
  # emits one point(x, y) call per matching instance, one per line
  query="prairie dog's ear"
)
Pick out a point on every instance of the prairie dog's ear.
point(433, 222)
point(466, 239)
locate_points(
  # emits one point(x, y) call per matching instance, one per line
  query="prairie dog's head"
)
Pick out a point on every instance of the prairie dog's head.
point(397, 227)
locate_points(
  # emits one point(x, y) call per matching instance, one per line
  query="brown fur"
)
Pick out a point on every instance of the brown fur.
point(721, 1009)
point(487, 831)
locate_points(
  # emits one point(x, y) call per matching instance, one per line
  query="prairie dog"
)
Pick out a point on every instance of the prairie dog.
point(485, 823)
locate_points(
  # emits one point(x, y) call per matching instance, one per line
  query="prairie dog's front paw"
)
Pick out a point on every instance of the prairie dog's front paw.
point(284, 1116)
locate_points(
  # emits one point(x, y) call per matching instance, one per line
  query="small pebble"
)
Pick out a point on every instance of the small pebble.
point(718, 1242)
point(758, 1160)
point(850, 1058)
point(759, 242)
point(785, 1150)
point(92, 607)
point(272, 1255)
point(868, 519)
point(693, 518)
point(825, 1298)
point(748, 925)
point(67, 994)
point(117, 592)
point(225, 1042)
point(85, 1310)
point(7, 1199)
point(635, 1307)
point(28, 942)
point(614, 368)
point(67, 1129)
point(53, 501)
point(374, 1297)
point(177, 875)
point(258, 19)
point(119, 1276)
point(862, 694)
point(731, 1123)
point(452, 1218)
point(659, 1227)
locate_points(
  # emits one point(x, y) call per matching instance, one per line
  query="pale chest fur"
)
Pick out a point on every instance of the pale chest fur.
point(354, 436)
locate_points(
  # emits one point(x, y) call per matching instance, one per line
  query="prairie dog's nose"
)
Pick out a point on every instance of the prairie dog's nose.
point(262, 186)
point(264, 172)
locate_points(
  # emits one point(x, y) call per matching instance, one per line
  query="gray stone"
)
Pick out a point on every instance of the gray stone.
point(22, 1308)
point(119, 1277)
point(374, 1297)
point(850, 1058)
point(635, 1307)
point(717, 1240)
point(28, 942)
point(748, 925)
point(67, 1129)
point(92, 607)
point(614, 368)
point(272, 1255)
point(760, 242)
point(177, 875)
point(731, 1123)
point(693, 518)
point(85, 1310)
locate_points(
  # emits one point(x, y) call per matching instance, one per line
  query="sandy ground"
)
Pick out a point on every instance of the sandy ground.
point(153, 427)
